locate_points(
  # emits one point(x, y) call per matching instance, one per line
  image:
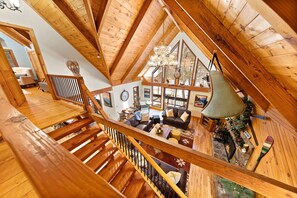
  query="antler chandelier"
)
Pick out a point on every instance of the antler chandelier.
point(10, 4)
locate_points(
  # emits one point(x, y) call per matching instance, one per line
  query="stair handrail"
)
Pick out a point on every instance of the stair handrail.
point(254, 181)
point(52, 170)
point(124, 148)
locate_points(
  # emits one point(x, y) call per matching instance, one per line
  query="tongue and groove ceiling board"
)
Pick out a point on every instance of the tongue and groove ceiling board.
point(69, 18)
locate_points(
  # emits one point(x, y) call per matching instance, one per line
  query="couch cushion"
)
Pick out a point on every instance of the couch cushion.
point(170, 119)
point(169, 113)
point(184, 116)
point(179, 120)
point(134, 123)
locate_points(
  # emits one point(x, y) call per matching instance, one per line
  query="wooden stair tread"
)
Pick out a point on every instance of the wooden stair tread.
point(100, 158)
point(113, 167)
point(134, 187)
point(87, 150)
point(68, 129)
point(123, 177)
point(80, 138)
point(147, 191)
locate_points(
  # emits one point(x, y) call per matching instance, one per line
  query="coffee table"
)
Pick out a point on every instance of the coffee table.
point(164, 134)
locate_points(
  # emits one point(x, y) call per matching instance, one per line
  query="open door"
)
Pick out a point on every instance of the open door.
point(36, 65)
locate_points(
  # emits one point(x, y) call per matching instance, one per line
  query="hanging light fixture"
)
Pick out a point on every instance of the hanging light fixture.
point(162, 56)
point(10, 4)
point(224, 101)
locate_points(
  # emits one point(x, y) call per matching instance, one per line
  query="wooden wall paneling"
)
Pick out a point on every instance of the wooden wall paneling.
point(280, 25)
point(246, 16)
point(213, 6)
point(9, 82)
point(91, 20)
point(130, 35)
point(222, 9)
point(206, 46)
point(116, 26)
point(58, 20)
point(286, 60)
point(251, 68)
point(234, 9)
point(100, 14)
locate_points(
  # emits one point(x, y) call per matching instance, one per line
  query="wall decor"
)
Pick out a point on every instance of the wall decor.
point(124, 96)
point(200, 101)
point(147, 92)
point(107, 99)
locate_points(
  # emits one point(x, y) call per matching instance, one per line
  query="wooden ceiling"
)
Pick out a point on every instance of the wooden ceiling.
point(259, 47)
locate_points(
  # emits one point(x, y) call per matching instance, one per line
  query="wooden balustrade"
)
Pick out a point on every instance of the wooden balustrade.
point(160, 182)
point(67, 88)
point(256, 182)
point(53, 171)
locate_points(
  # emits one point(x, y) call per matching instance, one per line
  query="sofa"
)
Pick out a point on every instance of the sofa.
point(167, 167)
point(24, 75)
point(142, 125)
point(176, 121)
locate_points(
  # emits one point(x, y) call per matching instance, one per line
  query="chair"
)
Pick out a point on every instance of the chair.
point(24, 75)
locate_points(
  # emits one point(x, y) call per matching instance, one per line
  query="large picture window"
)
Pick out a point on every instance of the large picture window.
point(157, 95)
point(187, 65)
point(170, 70)
point(202, 72)
point(176, 98)
point(158, 75)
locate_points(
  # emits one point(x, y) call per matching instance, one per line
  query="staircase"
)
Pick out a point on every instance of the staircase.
point(85, 139)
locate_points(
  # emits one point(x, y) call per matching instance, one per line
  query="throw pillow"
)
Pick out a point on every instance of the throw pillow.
point(184, 116)
point(174, 176)
point(137, 115)
point(169, 113)
point(145, 117)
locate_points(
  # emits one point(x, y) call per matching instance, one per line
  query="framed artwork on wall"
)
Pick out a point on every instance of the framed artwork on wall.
point(107, 99)
point(200, 101)
point(147, 92)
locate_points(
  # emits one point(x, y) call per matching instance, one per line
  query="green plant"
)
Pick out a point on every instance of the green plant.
point(235, 190)
point(239, 123)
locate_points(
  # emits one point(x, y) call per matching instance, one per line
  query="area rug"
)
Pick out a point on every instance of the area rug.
point(186, 139)
point(26, 92)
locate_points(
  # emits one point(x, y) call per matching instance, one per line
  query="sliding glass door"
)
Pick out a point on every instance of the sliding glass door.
point(176, 98)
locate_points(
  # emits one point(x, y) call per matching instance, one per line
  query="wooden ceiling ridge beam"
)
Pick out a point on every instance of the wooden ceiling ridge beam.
point(170, 29)
point(74, 19)
point(16, 36)
point(88, 7)
point(155, 30)
point(100, 15)
point(234, 56)
point(130, 35)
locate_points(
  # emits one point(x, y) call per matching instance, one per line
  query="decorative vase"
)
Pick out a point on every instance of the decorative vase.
point(73, 67)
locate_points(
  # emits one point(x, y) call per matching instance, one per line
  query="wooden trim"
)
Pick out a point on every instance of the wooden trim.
point(206, 45)
point(16, 36)
point(53, 171)
point(100, 15)
point(12, 56)
point(130, 35)
point(100, 91)
point(183, 87)
point(254, 181)
point(64, 76)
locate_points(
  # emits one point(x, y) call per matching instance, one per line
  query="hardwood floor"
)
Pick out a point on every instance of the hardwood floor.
point(43, 111)
point(13, 181)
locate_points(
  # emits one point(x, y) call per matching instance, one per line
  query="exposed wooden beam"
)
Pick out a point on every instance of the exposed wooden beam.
point(24, 33)
point(88, 7)
point(74, 19)
point(236, 57)
point(154, 31)
point(183, 87)
point(130, 35)
point(168, 31)
point(100, 91)
point(16, 36)
point(100, 15)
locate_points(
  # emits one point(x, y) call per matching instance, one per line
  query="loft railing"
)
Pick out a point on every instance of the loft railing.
point(148, 168)
point(67, 88)
point(256, 182)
